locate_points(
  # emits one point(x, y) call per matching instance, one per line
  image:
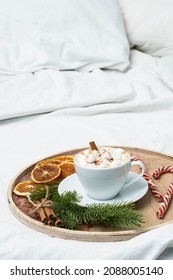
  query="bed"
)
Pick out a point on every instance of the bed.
point(60, 89)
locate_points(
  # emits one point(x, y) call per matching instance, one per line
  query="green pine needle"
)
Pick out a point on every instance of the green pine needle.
point(66, 207)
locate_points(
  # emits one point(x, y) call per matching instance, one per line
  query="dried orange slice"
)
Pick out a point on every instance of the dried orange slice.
point(24, 188)
point(45, 172)
point(51, 160)
point(64, 158)
point(67, 168)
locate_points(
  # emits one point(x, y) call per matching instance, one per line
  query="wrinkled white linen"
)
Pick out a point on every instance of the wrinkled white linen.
point(50, 90)
point(62, 35)
point(144, 87)
point(123, 115)
point(166, 70)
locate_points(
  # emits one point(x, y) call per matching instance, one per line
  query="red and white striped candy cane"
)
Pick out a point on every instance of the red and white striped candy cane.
point(162, 170)
point(152, 186)
point(166, 201)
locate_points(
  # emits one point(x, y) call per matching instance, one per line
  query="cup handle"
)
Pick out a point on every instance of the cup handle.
point(137, 162)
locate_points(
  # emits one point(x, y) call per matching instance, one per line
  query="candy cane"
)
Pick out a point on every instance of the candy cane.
point(135, 158)
point(162, 170)
point(166, 201)
point(152, 186)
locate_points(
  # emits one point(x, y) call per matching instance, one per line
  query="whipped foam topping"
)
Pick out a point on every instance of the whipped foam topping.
point(105, 157)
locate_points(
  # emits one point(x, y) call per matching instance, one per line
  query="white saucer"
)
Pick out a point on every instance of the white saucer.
point(131, 193)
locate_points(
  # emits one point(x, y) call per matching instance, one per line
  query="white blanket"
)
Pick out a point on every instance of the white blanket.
point(64, 110)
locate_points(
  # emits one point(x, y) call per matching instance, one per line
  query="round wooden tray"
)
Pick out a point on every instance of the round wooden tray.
point(147, 204)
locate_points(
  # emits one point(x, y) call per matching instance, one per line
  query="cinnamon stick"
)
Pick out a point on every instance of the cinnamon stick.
point(93, 146)
point(58, 222)
point(50, 213)
point(51, 222)
point(42, 215)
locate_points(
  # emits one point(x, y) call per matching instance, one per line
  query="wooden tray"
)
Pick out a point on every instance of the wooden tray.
point(148, 205)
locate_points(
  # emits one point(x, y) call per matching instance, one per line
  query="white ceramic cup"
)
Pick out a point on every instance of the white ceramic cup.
point(106, 183)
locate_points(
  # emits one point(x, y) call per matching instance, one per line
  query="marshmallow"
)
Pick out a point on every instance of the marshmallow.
point(117, 156)
point(105, 157)
point(91, 158)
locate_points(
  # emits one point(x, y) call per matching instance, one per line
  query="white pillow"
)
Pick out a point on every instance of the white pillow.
point(62, 34)
point(149, 25)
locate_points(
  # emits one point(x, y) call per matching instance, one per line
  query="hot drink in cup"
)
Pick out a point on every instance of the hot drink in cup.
point(103, 171)
point(104, 157)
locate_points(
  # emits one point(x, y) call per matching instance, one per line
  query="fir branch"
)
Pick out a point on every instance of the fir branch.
point(66, 207)
point(40, 191)
point(120, 215)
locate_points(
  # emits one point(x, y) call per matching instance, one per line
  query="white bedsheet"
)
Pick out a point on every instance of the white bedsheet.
point(66, 110)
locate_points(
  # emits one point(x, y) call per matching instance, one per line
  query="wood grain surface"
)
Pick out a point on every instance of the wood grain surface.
point(147, 204)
